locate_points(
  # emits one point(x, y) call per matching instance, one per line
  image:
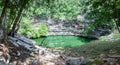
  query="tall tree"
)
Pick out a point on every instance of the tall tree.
point(10, 17)
point(102, 10)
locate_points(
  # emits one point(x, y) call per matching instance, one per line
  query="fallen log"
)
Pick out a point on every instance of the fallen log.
point(12, 41)
point(20, 44)
point(24, 39)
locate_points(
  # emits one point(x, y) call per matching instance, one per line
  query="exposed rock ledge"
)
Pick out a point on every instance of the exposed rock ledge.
point(71, 27)
point(59, 27)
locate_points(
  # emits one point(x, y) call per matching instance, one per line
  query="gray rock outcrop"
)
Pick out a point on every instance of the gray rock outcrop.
point(70, 27)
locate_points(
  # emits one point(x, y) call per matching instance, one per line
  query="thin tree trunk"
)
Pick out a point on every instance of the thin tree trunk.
point(116, 18)
point(2, 21)
point(3, 13)
point(16, 22)
point(118, 25)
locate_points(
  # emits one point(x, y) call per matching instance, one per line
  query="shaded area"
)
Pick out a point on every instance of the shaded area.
point(62, 41)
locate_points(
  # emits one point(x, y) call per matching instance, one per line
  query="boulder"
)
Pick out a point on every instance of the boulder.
point(72, 61)
point(98, 32)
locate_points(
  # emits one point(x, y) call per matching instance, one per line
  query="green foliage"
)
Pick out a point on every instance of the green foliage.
point(25, 27)
point(12, 10)
point(105, 24)
point(95, 62)
point(29, 31)
point(59, 9)
point(43, 29)
point(100, 13)
point(118, 4)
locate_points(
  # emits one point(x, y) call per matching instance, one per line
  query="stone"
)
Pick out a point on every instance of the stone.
point(60, 27)
point(85, 60)
point(71, 27)
point(3, 63)
point(1, 34)
point(50, 63)
point(98, 32)
point(61, 63)
point(81, 18)
point(72, 61)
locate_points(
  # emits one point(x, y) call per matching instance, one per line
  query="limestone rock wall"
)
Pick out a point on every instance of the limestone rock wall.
point(71, 27)
point(60, 27)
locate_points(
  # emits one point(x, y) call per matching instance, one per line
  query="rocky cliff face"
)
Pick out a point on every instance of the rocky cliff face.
point(70, 27)
point(60, 27)
point(65, 28)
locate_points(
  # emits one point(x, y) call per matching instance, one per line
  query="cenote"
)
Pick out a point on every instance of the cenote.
point(61, 41)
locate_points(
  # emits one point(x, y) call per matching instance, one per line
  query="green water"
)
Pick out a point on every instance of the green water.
point(62, 41)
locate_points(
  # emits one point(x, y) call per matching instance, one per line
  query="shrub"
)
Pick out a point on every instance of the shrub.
point(29, 31)
point(43, 29)
point(58, 9)
point(101, 24)
point(25, 27)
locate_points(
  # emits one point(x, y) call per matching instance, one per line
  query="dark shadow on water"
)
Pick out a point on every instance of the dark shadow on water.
point(86, 39)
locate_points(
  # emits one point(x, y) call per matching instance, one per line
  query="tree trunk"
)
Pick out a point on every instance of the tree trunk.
point(118, 26)
point(16, 22)
point(116, 18)
point(3, 13)
point(3, 33)
point(118, 29)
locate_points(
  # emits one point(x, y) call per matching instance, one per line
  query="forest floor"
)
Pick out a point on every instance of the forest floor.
point(95, 53)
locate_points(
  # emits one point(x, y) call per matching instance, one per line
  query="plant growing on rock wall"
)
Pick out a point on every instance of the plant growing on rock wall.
point(43, 29)
point(27, 29)
point(30, 31)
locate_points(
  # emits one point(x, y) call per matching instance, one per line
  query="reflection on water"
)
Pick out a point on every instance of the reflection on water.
point(61, 41)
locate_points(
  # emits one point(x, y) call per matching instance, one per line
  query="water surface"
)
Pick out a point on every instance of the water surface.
point(61, 41)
